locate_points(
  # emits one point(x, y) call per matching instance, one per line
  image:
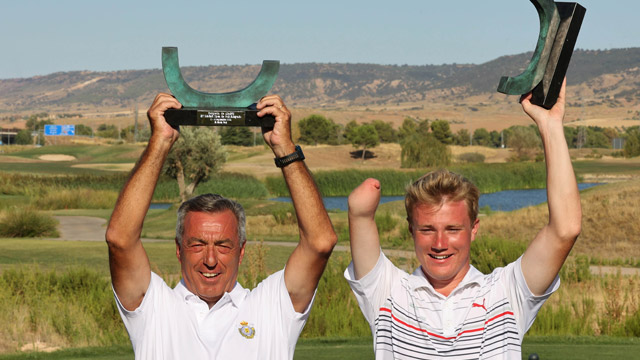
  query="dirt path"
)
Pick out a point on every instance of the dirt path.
point(87, 228)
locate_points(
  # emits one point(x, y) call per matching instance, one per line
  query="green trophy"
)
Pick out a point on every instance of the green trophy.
point(235, 108)
point(560, 24)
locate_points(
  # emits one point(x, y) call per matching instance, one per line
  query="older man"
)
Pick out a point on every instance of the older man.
point(447, 308)
point(208, 314)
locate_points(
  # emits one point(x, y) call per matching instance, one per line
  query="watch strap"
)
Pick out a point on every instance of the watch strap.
point(288, 159)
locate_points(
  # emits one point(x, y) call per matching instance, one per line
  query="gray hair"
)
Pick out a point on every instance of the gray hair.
point(212, 204)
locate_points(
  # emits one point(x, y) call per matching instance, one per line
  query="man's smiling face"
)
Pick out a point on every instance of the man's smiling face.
point(442, 237)
point(210, 254)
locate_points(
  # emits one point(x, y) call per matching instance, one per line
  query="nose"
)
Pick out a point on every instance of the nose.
point(210, 257)
point(440, 242)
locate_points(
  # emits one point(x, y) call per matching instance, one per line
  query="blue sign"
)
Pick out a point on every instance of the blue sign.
point(60, 130)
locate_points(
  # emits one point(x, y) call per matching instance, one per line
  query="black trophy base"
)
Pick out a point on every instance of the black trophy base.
point(546, 92)
point(217, 117)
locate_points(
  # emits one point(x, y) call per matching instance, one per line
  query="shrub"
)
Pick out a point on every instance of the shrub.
point(77, 199)
point(285, 216)
point(70, 309)
point(385, 222)
point(471, 158)
point(490, 253)
point(576, 270)
point(335, 310)
point(27, 222)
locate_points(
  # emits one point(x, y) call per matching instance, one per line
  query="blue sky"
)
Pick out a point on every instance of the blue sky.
point(39, 37)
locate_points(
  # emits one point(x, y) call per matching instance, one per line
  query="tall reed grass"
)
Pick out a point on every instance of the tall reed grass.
point(26, 222)
point(610, 224)
point(230, 185)
point(76, 308)
point(608, 305)
point(488, 178)
point(72, 309)
point(488, 253)
point(59, 189)
point(76, 199)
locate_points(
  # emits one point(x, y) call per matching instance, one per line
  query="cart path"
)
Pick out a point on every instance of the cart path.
point(88, 228)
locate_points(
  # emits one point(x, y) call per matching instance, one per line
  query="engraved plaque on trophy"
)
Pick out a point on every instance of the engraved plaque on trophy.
point(237, 108)
point(560, 24)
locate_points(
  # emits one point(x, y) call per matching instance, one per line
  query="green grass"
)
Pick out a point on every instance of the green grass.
point(60, 255)
point(61, 168)
point(580, 348)
point(334, 348)
point(547, 348)
point(488, 178)
point(8, 201)
point(606, 167)
point(115, 352)
point(123, 153)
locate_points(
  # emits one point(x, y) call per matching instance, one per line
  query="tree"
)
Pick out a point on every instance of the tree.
point(462, 137)
point(442, 131)
point(350, 130)
point(596, 138)
point(632, 143)
point(424, 150)
point(481, 137)
point(385, 131)
point(407, 128)
point(494, 136)
point(196, 155)
point(365, 137)
point(24, 137)
point(524, 141)
point(236, 135)
point(107, 131)
point(570, 135)
point(83, 130)
point(317, 129)
point(34, 124)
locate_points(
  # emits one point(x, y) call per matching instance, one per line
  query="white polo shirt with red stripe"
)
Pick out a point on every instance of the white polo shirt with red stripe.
point(176, 324)
point(484, 317)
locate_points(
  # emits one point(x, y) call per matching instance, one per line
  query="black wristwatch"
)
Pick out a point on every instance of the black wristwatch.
point(288, 159)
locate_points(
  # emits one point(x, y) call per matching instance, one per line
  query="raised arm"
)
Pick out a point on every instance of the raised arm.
point(546, 254)
point(363, 232)
point(317, 237)
point(128, 262)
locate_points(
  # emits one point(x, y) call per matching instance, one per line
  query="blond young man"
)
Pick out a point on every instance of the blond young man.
point(447, 308)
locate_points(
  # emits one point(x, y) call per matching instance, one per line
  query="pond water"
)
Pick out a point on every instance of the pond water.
point(159, 206)
point(507, 200)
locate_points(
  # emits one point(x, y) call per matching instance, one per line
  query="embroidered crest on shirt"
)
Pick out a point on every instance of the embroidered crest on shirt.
point(247, 331)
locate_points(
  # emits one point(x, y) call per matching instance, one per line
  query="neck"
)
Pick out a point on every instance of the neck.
point(446, 287)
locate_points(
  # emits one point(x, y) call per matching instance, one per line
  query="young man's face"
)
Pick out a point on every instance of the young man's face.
point(442, 237)
point(210, 254)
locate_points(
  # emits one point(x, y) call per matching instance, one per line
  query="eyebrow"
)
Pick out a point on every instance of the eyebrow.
point(202, 241)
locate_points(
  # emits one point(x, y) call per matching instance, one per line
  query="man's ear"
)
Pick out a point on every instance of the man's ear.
point(474, 229)
point(178, 250)
point(242, 252)
point(410, 226)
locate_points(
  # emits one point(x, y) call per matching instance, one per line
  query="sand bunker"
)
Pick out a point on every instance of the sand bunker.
point(56, 157)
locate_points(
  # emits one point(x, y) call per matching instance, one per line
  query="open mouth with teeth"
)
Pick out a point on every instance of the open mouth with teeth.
point(210, 275)
point(440, 257)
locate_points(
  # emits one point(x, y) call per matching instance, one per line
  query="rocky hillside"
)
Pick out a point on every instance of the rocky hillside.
point(600, 77)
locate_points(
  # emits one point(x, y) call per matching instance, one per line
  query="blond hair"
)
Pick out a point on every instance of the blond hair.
point(436, 187)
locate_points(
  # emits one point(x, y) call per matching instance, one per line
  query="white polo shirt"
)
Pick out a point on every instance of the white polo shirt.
point(243, 324)
point(484, 317)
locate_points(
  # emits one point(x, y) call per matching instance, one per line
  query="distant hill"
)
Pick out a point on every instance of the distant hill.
point(599, 75)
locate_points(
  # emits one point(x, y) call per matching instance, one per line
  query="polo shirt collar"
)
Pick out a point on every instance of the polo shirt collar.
point(419, 280)
point(236, 296)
